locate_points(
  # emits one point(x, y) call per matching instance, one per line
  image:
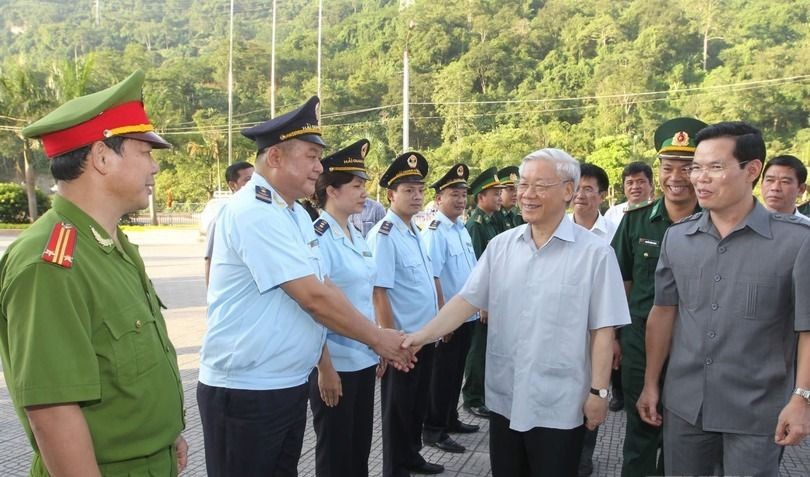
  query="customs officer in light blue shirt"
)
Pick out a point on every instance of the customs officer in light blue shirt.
point(452, 258)
point(341, 389)
point(268, 302)
point(404, 299)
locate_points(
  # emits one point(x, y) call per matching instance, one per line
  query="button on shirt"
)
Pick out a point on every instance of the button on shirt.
point(350, 265)
point(538, 371)
point(403, 267)
point(740, 299)
point(258, 337)
point(451, 255)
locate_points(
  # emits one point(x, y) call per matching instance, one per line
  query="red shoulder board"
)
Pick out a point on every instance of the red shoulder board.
point(61, 245)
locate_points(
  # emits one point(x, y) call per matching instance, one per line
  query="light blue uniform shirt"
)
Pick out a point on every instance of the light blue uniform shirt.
point(403, 267)
point(350, 265)
point(451, 253)
point(258, 337)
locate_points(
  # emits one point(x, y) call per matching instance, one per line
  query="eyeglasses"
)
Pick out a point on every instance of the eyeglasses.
point(587, 190)
point(714, 170)
point(538, 188)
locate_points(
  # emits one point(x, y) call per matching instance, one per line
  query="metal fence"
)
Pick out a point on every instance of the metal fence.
point(180, 213)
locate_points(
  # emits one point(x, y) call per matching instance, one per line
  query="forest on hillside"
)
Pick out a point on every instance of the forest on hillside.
point(490, 80)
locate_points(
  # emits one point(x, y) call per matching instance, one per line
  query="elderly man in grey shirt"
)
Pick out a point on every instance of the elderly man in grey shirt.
point(548, 364)
point(732, 291)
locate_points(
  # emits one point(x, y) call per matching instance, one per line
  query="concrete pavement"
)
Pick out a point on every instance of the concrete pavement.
point(173, 261)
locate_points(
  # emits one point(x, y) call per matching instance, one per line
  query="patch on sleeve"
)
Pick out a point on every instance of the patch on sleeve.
point(263, 194)
point(385, 228)
point(61, 245)
point(434, 225)
point(321, 226)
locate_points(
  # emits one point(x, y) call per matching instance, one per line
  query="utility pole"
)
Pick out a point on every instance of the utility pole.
point(97, 7)
point(406, 102)
point(320, 29)
point(230, 92)
point(273, 66)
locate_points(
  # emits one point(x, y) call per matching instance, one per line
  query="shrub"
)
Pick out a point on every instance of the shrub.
point(14, 203)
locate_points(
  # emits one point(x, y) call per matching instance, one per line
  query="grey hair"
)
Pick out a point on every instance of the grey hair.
point(566, 166)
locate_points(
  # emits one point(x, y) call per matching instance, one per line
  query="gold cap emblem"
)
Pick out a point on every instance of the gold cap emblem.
point(495, 176)
point(681, 138)
point(513, 177)
point(460, 171)
point(364, 151)
point(412, 161)
point(318, 113)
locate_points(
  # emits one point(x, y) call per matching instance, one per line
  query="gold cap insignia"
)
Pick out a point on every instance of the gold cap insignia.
point(364, 151)
point(412, 161)
point(460, 171)
point(495, 176)
point(318, 113)
point(681, 138)
point(513, 177)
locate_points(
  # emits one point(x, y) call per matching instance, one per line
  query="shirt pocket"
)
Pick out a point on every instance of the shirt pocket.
point(135, 342)
point(756, 297)
point(412, 267)
point(647, 256)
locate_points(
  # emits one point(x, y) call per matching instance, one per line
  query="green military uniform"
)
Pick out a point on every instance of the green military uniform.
point(80, 321)
point(804, 209)
point(89, 330)
point(508, 218)
point(482, 228)
point(637, 243)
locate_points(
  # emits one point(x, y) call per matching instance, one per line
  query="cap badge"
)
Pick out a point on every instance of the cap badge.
point(412, 161)
point(364, 150)
point(513, 177)
point(495, 177)
point(681, 138)
point(460, 171)
point(318, 113)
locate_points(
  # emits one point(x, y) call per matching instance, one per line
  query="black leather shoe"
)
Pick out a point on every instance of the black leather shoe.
point(480, 411)
point(616, 404)
point(428, 468)
point(459, 427)
point(449, 445)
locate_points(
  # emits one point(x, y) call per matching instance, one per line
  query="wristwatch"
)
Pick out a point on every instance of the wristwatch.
point(805, 393)
point(603, 393)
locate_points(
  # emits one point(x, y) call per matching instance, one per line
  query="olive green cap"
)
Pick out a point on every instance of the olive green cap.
point(488, 179)
point(675, 139)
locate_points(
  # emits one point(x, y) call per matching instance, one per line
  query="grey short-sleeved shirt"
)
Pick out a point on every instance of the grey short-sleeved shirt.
point(740, 301)
point(542, 304)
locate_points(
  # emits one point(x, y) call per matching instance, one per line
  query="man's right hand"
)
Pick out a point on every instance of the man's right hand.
point(647, 406)
point(389, 347)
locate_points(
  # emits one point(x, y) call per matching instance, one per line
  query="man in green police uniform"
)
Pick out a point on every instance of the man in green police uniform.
point(637, 243)
point(508, 215)
point(483, 227)
point(87, 358)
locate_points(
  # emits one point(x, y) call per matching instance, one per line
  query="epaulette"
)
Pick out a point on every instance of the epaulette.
point(61, 245)
point(689, 218)
point(385, 227)
point(434, 225)
point(264, 194)
point(790, 218)
point(321, 226)
point(640, 206)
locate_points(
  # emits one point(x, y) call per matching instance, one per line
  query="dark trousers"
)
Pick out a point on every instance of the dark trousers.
point(404, 400)
point(344, 431)
point(538, 452)
point(445, 381)
point(642, 442)
point(473, 389)
point(252, 433)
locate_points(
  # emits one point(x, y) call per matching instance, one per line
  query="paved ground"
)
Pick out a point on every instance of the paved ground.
point(173, 262)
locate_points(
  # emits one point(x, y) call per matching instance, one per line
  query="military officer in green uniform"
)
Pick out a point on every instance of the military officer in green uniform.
point(804, 208)
point(509, 214)
point(483, 227)
point(87, 358)
point(637, 244)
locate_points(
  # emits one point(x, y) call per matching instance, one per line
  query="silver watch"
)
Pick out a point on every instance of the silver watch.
point(603, 393)
point(805, 393)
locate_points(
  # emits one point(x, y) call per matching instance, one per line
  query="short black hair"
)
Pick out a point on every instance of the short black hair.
point(326, 179)
point(596, 172)
point(232, 171)
point(793, 162)
point(748, 142)
point(70, 165)
point(635, 168)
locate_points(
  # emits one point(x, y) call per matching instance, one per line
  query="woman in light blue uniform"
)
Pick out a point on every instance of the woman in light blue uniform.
point(341, 387)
